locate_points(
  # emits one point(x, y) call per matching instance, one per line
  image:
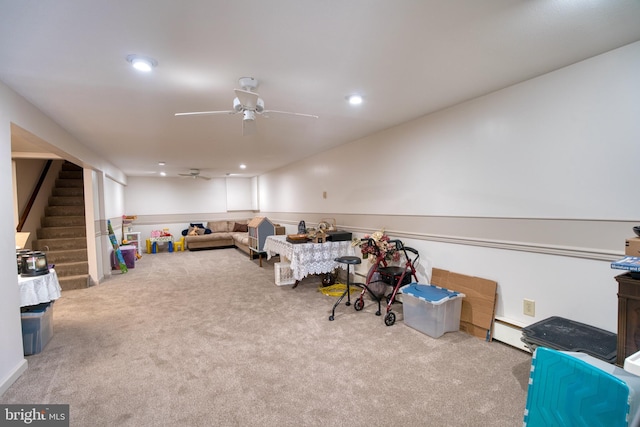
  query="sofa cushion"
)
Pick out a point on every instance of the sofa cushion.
point(218, 226)
point(241, 238)
point(243, 228)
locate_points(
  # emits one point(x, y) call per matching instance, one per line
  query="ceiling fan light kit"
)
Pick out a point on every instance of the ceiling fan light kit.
point(195, 174)
point(248, 103)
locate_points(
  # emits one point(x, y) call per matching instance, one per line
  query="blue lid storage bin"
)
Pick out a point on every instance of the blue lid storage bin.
point(37, 328)
point(576, 389)
point(430, 309)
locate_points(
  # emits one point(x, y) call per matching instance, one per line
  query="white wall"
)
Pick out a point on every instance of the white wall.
point(239, 194)
point(12, 361)
point(153, 196)
point(556, 150)
point(18, 115)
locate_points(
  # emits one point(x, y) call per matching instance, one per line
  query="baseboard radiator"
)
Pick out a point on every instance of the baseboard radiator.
point(509, 332)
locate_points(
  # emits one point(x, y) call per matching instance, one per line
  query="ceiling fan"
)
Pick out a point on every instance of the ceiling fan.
point(195, 174)
point(249, 104)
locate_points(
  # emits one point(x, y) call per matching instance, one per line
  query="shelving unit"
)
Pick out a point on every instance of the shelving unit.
point(133, 238)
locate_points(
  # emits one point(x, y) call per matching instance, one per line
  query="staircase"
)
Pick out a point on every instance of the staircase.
point(63, 235)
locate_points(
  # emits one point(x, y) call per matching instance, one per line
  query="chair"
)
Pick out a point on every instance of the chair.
point(179, 245)
point(349, 260)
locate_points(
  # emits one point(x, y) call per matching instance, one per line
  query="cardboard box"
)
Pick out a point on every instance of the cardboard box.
point(632, 247)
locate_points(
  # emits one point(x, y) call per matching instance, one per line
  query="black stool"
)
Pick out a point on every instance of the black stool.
point(349, 260)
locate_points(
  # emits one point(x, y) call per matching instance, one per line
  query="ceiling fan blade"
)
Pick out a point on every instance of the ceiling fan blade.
point(204, 177)
point(313, 116)
point(248, 99)
point(204, 113)
point(248, 127)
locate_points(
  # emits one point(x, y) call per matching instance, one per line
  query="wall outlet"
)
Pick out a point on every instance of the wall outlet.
point(529, 307)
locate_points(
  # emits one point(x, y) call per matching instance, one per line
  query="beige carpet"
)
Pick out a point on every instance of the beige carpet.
point(207, 339)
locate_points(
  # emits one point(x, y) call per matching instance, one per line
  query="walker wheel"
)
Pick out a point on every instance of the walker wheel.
point(358, 304)
point(390, 318)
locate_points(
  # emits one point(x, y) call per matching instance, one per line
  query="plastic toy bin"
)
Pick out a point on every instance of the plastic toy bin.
point(576, 389)
point(128, 254)
point(37, 327)
point(430, 309)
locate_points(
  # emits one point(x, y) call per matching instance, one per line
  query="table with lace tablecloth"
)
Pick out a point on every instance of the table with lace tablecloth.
point(308, 258)
point(38, 289)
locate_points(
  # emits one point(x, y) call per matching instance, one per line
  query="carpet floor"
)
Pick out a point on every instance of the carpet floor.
point(206, 338)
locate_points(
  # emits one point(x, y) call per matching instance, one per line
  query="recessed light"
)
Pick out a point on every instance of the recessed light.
point(142, 63)
point(163, 174)
point(243, 166)
point(161, 163)
point(354, 99)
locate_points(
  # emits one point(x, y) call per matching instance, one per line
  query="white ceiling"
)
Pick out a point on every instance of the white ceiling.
point(406, 57)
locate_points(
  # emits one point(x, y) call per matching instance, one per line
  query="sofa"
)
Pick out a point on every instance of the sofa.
point(217, 234)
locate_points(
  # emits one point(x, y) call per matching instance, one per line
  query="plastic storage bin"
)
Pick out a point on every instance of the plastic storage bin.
point(563, 334)
point(283, 273)
point(430, 309)
point(575, 389)
point(129, 255)
point(37, 327)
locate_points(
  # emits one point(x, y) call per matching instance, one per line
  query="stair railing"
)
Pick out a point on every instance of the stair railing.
point(34, 194)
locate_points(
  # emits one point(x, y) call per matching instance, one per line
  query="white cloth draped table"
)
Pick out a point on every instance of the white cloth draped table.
point(308, 258)
point(38, 289)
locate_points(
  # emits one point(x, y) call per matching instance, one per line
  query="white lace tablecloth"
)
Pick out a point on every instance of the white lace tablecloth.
point(308, 258)
point(38, 289)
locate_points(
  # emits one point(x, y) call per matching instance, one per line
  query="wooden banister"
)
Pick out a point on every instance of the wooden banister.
point(34, 194)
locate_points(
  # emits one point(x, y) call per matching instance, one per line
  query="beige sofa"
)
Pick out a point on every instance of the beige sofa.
point(222, 235)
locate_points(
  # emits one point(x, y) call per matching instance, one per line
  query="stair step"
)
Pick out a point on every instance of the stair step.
point(70, 255)
point(64, 211)
point(68, 191)
point(69, 283)
point(66, 183)
point(59, 244)
point(66, 201)
point(73, 174)
point(63, 221)
point(61, 232)
point(67, 269)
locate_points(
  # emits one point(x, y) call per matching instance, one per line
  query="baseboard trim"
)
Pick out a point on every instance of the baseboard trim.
point(13, 376)
point(509, 331)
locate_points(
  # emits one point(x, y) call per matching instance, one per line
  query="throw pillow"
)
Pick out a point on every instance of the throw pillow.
point(243, 228)
point(193, 231)
point(199, 231)
point(197, 224)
